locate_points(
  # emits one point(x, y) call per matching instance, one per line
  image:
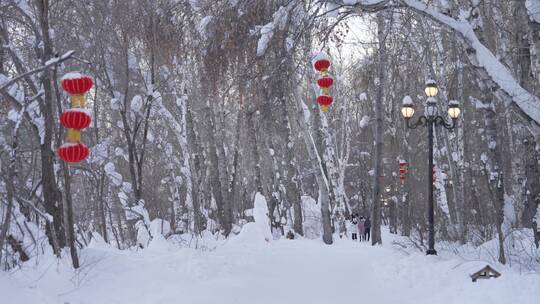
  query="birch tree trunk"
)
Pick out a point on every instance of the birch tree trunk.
point(315, 160)
point(494, 176)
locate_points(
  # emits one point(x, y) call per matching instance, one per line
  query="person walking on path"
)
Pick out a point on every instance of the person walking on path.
point(367, 229)
point(353, 223)
point(361, 228)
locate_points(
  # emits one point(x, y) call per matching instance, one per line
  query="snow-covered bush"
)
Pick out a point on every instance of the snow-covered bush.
point(312, 218)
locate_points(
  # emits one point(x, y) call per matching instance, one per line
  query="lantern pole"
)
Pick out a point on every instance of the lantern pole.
point(431, 120)
point(321, 63)
point(431, 212)
point(75, 119)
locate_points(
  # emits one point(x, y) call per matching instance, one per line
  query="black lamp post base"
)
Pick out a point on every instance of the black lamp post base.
point(431, 252)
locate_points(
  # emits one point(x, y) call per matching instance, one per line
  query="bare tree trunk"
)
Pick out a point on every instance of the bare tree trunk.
point(51, 193)
point(226, 209)
point(252, 142)
point(494, 175)
point(532, 184)
point(406, 209)
point(101, 207)
point(462, 168)
point(68, 198)
point(69, 206)
point(376, 211)
point(7, 219)
point(10, 183)
point(291, 182)
point(214, 174)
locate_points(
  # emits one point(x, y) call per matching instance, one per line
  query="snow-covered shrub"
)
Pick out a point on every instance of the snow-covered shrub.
point(312, 217)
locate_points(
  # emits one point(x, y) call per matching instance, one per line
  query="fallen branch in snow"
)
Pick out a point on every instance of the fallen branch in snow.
point(47, 217)
point(402, 247)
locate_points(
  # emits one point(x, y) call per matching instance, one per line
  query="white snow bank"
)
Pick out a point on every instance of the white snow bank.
point(302, 271)
point(249, 235)
point(14, 291)
point(205, 241)
point(160, 227)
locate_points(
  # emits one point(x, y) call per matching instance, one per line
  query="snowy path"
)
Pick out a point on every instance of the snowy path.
point(282, 272)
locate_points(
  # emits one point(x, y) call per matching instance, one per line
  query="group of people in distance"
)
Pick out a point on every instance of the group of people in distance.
point(360, 225)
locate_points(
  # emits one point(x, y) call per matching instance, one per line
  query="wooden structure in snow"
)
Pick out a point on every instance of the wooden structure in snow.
point(485, 273)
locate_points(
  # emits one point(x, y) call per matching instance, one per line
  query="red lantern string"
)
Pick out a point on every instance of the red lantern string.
point(77, 86)
point(75, 119)
point(322, 65)
point(402, 171)
point(325, 100)
point(325, 82)
point(73, 153)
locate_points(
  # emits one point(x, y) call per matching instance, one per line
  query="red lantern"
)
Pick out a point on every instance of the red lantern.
point(402, 171)
point(77, 85)
point(325, 100)
point(322, 64)
point(73, 152)
point(75, 119)
point(325, 82)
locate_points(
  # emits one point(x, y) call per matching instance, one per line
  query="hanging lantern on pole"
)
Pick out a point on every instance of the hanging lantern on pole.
point(76, 118)
point(321, 63)
point(325, 101)
point(403, 169)
point(73, 152)
point(325, 83)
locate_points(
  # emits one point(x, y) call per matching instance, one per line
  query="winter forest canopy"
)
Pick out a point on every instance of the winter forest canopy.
point(204, 120)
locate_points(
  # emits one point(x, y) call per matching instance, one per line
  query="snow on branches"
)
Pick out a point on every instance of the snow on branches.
point(279, 19)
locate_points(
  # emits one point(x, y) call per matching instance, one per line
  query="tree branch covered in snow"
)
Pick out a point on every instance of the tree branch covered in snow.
point(481, 56)
point(50, 63)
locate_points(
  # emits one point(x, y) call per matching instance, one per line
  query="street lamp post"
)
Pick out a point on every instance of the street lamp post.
point(430, 119)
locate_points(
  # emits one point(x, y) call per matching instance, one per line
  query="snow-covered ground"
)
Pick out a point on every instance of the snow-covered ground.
point(247, 269)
